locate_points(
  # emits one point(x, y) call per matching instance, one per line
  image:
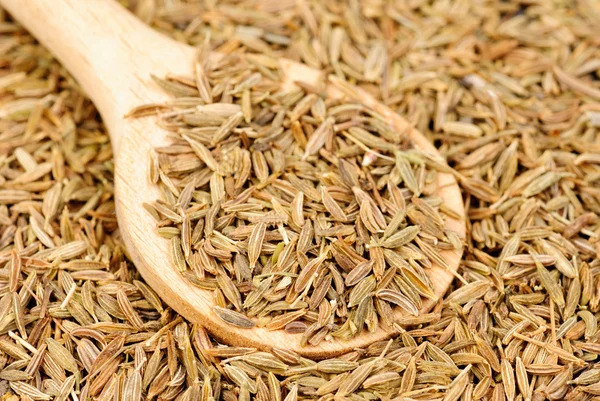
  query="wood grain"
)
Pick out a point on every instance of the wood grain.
point(112, 54)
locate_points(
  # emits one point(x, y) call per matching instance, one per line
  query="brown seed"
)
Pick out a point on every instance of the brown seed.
point(255, 242)
point(234, 318)
point(397, 298)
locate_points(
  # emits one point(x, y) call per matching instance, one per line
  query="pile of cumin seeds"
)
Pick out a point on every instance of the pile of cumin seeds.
point(509, 92)
point(526, 360)
point(311, 214)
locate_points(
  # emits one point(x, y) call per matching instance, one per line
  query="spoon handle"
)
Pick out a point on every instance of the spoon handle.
point(107, 49)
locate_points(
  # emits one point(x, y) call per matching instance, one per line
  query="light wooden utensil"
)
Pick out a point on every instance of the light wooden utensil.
point(112, 54)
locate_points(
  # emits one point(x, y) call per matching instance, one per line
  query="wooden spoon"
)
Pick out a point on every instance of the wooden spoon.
point(112, 54)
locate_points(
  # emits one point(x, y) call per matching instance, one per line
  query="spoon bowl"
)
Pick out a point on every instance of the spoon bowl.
point(112, 55)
